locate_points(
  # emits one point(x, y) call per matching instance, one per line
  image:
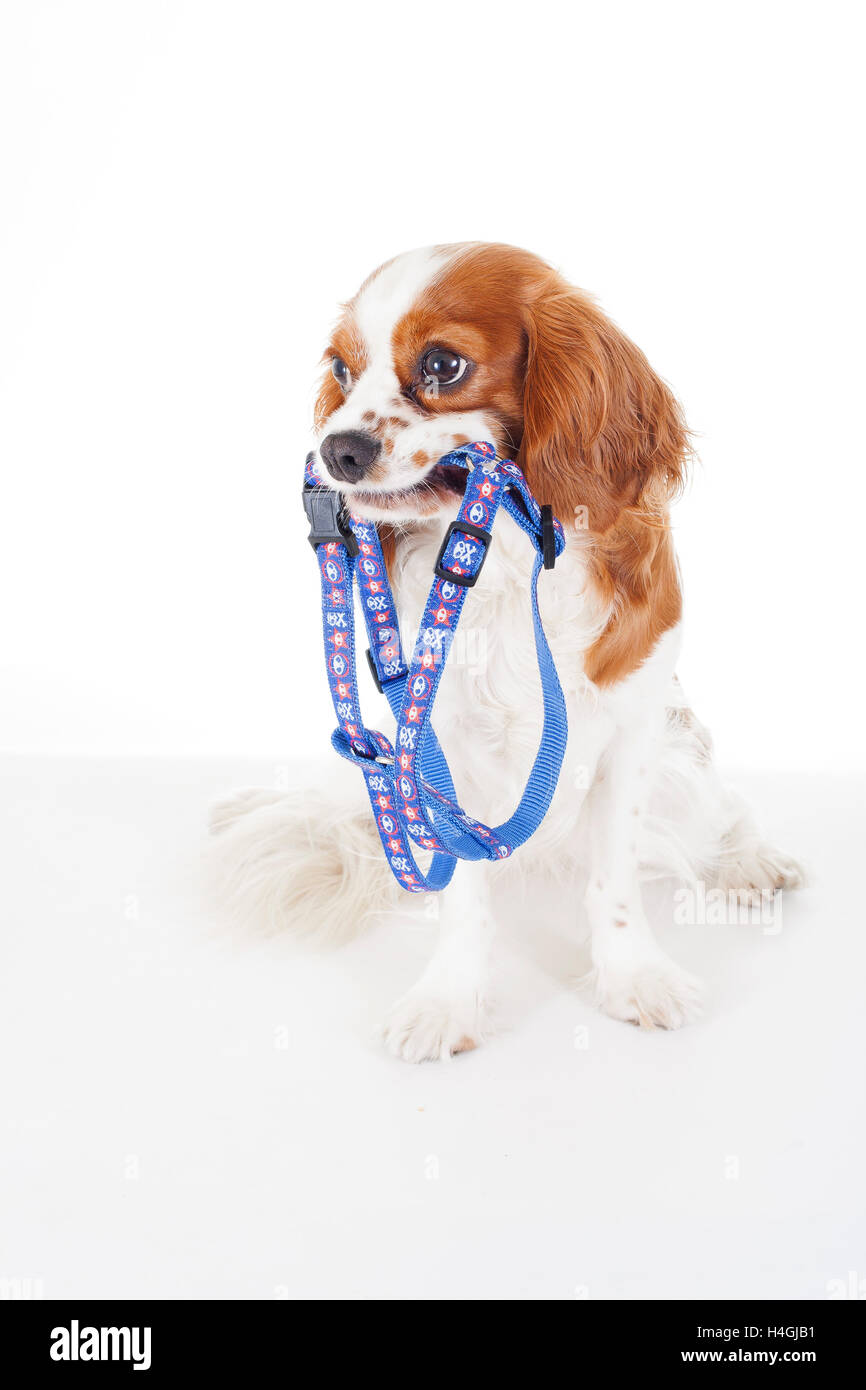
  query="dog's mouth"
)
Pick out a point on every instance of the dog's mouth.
point(443, 485)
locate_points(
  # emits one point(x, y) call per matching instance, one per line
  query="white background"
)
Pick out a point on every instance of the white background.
point(190, 189)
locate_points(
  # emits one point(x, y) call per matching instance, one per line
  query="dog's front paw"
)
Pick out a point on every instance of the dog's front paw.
point(426, 1027)
point(656, 994)
point(759, 872)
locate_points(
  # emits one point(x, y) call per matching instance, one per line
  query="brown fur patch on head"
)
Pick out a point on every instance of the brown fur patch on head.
point(469, 307)
point(346, 342)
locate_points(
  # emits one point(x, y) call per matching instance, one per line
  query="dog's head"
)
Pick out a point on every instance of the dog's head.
point(452, 344)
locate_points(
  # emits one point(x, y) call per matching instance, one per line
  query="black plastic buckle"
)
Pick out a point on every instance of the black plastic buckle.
point(464, 581)
point(326, 513)
point(548, 538)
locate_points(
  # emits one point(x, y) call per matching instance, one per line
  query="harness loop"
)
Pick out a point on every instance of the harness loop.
point(409, 782)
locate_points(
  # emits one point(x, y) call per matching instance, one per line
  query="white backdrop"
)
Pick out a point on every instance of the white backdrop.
point(190, 188)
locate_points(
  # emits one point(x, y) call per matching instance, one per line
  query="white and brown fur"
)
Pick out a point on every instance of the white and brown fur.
point(555, 385)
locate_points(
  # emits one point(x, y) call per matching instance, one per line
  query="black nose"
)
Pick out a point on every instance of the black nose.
point(349, 456)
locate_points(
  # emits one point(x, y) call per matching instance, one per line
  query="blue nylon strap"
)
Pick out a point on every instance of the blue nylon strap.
point(409, 783)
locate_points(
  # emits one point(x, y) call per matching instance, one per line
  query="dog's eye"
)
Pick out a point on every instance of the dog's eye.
point(442, 366)
point(341, 372)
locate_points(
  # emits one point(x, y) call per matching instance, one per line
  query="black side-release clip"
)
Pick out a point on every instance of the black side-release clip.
point(326, 514)
point(548, 538)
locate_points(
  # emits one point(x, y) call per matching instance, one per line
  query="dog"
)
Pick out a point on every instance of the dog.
point(439, 348)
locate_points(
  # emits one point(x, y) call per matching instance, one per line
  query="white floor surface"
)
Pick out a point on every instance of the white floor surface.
point(184, 1115)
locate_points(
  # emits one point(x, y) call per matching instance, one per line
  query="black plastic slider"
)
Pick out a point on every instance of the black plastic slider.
point(548, 538)
point(380, 686)
point(373, 672)
point(326, 514)
point(463, 528)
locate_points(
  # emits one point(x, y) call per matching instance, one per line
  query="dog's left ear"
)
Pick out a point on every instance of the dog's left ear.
point(601, 429)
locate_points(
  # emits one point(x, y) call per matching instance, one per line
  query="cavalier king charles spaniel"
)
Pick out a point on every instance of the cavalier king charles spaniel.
point(441, 347)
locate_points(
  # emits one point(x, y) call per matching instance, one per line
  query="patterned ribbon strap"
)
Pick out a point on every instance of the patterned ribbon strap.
point(409, 784)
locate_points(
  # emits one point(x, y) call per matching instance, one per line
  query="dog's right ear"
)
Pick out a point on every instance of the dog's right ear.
point(603, 433)
point(600, 429)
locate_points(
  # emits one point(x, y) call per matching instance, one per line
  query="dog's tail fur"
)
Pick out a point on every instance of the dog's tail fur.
point(308, 860)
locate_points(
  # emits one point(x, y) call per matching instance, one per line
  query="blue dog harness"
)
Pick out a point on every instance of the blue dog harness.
point(409, 782)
